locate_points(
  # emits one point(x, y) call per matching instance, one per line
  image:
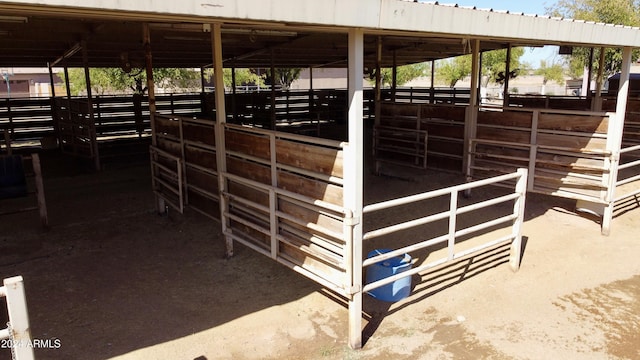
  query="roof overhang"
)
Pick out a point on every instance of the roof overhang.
point(285, 33)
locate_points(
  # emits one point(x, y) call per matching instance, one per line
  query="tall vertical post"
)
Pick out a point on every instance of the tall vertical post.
point(20, 332)
point(596, 104)
point(614, 140)
point(353, 182)
point(471, 115)
point(85, 61)
point(433, 77)
point(378, 88)
point(146, 41)
point(507, 70)
point(66, 81)
point(589, 72)
point(202, 80)
point(273, 91)
point(394, 76)
point(221, 119)
point(53, 86)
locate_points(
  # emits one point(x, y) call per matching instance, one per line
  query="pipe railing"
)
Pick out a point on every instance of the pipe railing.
point(17, 332)
point(516, 218)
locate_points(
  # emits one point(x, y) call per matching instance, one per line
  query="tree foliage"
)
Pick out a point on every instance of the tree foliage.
point(404, 74)
point(619, 12)
point(450, 71)
point(551, 72)
point(494, 64)
point(116, 80)
point(244, 77)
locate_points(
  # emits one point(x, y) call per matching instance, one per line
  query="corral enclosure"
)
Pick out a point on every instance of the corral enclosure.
point(288, 180)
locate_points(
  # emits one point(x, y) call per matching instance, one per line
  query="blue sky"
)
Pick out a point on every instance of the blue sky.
point(527, 7)
point(532, 56)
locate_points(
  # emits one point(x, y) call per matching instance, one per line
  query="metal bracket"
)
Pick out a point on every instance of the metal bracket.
point(352, 221)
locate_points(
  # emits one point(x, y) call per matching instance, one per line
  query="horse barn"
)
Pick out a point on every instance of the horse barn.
point(284, 172)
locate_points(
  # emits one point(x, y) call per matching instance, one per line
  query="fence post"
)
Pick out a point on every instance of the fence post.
point(518, 210)
point(20, 332)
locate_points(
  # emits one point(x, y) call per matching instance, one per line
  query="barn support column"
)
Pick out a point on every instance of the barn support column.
point(394, 77)
point(66, 81)
point(471, 116)
point(433, 77)
point(589, 72)
point(614, 141)
point(507, 70)
point(353, 184)
point(273, 91)
point(202, 80)
point(87, 76)
point(53, 85)
point(596, 104)
point(161, 206)
point(378, 94)
point(221, 119)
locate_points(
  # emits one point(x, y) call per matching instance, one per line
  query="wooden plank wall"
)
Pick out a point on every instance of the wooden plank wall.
point(444, 125)
point(565, 151)
point(193, 142)
point(285, 198)
point(550, 102)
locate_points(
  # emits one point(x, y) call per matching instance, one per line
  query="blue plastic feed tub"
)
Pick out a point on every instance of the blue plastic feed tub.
point(394, 291)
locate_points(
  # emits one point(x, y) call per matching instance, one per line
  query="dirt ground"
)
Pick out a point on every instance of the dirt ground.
point(113, 280)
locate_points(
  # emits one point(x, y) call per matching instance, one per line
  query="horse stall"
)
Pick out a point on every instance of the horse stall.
point(568, 153)
point(283, 195)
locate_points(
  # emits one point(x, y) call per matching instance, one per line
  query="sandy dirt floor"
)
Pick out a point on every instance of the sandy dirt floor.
point(113, 280)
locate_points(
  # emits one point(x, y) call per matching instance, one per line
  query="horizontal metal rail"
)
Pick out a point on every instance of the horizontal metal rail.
point(440, 192)
point(515, 218)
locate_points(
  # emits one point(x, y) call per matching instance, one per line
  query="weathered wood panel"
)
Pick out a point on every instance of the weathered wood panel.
point(199, 133)
point(576, 123)
point(314, 189)
point(572, 142)
point(310, 157)
point(507, 135)
point(520, 119)
point(249, 170)
point(247, 143)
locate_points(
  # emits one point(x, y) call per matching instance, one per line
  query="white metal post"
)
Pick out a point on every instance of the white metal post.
point(20, 333)
point(614, 139)
point(471, 115)
point(353, 182)
point(146, 40)
point(221, 119)
point(518, 210)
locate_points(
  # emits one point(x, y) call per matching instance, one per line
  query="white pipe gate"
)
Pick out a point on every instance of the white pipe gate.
point(515, 218)
point(17, 335)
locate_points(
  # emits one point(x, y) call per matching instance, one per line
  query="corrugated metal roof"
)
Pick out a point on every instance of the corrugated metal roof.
point(305, 32)
point(518, 13)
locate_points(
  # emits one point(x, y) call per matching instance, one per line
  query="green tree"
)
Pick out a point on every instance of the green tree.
point(116, 80)
point(404, 74)
point(552, 72)
point(619, 12)
point(283, 77)
point(450, 71)
point(243, 77)
point(494, 65)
